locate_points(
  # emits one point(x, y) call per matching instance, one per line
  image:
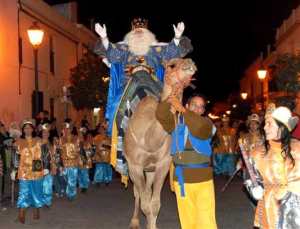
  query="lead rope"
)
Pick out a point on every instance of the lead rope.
point(176, 135)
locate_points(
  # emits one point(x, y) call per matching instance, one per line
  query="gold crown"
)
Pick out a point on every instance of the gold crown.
point(253, 117)
point(139, 23)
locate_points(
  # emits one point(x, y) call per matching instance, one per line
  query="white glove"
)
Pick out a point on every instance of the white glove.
point(101, 30)
point(46, 172)
point(13, 175)
point(258, 192)
point(178, 30)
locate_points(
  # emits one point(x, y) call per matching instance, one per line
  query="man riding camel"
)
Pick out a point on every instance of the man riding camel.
point(136, 70)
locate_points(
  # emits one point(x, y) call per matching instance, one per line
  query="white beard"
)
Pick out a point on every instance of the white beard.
point(140, 45)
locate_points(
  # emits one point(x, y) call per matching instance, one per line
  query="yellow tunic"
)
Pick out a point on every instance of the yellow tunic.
point(70, 153)
point(252, 141)
point(227, 137)
point(88, 164)
point(29, 151)
point(102, 154)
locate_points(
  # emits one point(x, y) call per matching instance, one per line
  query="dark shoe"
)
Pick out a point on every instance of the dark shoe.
point(36, 213)
point(83, 190)
point(22, 212)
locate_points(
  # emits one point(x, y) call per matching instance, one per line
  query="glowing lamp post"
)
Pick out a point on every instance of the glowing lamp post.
point(36, 35)
point(244, 95)
point(262, 73)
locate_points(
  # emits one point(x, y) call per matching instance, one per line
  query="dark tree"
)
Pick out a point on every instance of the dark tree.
point(88, 89)
point(287, 73)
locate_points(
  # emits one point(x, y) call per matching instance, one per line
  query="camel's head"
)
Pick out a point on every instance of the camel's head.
point(179, 71)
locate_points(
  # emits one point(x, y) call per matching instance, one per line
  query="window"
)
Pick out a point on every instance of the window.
point(51, 56)
point(20, 51)
point(51, 108)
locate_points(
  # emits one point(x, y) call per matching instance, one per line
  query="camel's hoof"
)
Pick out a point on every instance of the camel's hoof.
point(134, 224)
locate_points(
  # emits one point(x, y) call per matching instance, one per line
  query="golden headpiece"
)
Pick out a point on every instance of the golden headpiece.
point(28, 121)
point(253, 117)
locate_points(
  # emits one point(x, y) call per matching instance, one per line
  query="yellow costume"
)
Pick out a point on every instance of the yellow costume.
point(193, 176)
point(29, 151)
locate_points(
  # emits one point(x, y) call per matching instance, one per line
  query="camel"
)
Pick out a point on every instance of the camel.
point(147, 144)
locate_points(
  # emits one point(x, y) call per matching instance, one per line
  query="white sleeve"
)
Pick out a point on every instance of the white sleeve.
point(105, 43)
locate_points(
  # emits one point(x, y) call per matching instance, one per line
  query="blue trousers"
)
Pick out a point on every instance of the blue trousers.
point(48, 189)
point(83, 178)
point(224, 163)
point(71, 177)
point(103, 173)
point(30, 194)
point(59, 184)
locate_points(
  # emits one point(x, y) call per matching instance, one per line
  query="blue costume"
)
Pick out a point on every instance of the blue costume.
point(70, 157)
point(191, 152)
point(48, 179)
point(180, 136)
point(103, 173)
point(59, 178)
point(103, 169)
point(127, 88)
point(85, 163)
point(30, 174)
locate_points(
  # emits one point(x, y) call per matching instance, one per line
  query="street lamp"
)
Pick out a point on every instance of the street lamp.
point(262, 73)
point(35, 34)
point(244, 95)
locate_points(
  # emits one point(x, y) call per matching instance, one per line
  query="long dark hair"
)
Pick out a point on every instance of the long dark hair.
point(33, 130)
point(285, 140)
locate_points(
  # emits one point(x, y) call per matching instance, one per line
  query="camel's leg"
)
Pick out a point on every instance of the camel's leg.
point(160, 175)
point(135, 223)
point(137, 176)
point(147, 198)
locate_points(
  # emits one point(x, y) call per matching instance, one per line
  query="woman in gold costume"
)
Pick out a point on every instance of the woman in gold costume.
point(30, 171)
point(274, 163)
point(70, 156)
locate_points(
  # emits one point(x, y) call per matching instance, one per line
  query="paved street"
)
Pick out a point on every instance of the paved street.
point(111, 208)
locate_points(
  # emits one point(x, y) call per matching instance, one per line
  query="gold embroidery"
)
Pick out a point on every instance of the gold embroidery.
point(29, 150)
point(158, 49)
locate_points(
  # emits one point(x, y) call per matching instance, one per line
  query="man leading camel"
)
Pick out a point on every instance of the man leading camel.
point(191, 151)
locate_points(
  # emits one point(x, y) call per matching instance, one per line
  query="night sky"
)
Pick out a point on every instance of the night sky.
point(227, 35)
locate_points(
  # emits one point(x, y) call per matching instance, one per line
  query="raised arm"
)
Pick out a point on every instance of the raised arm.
point(107, 49)
point(180, 46)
